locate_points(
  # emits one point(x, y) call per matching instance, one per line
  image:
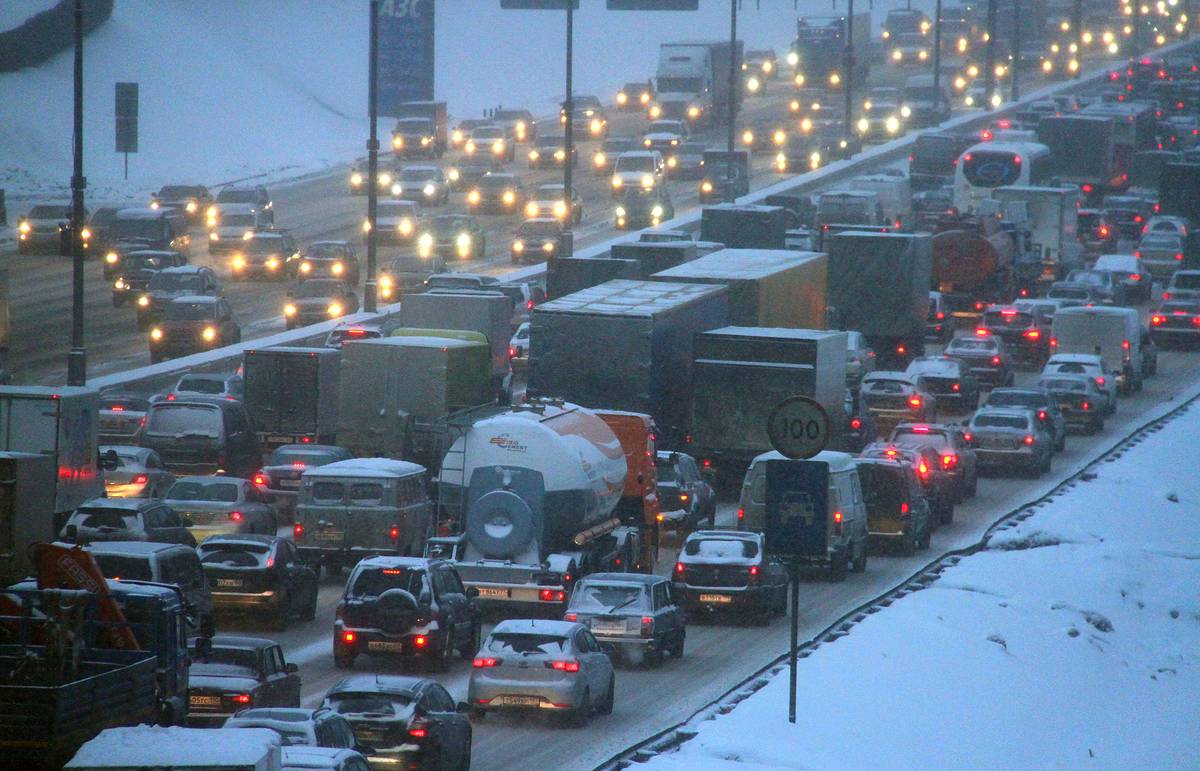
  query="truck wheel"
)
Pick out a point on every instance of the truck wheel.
point(678, 643)
point(926, 535)
point(947, 514)
point(859, 564)
point(342, 660)
point(837, 568)
point(908, 547)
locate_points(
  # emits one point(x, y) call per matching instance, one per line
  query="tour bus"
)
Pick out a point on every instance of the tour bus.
point(988, 165)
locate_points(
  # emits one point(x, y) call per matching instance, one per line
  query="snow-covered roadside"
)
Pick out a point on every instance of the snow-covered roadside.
point(1073, 640)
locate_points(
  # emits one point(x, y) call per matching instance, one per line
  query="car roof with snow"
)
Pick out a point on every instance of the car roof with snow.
point(536, 626)
point(622, 578)
point(398, 685)
point(1076, 358)
point(838, 461)
point(146, 746)
point(381, 468)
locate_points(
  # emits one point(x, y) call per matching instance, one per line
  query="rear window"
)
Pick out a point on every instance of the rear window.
point(913, 439)
point(1186, 281)
point(230, 555)
point(1007, 319)
point(328, 491)
point(882, 487)
point(721, 548)
point(1002, 399)
point(190, 311)
point(119, 519)
point(237, 196)
point(366, 493)
point(375, 705)
point(1000, 421)
point(124, 566)
point(888, 386)
point(201, 385)
point(606, 598)
point(124, 404)
point(372, 582)
point(203, 491)
point(184, 420)
point(971, 344)
point(508, 642)
point(226, 661)
point(294, 456)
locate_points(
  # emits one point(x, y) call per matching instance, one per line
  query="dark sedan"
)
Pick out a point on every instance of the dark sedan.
point(328, 259)
point(319, 299)
point(193, 323)
point(537, 240)
point(232, 673)
point(169, 283)
point(259, 575)
point(950, 380)
point(1043, 404)
point(138, 268)
point(497, 194)
point(986, 355)
point(685, 499)
point(452, 236)
point(728, 569)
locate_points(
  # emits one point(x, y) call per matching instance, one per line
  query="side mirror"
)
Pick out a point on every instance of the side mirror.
point(462, 706)
point(472, 592)
point(70, 533)
point(290, 668)
point(109, 461)
point(425, 599)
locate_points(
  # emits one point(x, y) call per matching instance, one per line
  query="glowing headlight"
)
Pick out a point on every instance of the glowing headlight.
point(646, 142)
point(531, 210)
point(1087, 38)
point(156, 334)
point(1047, 66)
point(366, 226)
point(620, 211)
point(973, 70)
point(211, 213)
point(969, 101)
point(1073, 65)
point(154, 205)
point(897, 55)
point(453, 174)
point(521, 129)
point(238, 262)
point(647, 181)
point(962, 45)
point(397, 142)
point(781, 162)
point(405, 226)
point(793, 58)
point(498, 147)
point(384, 178)
point(863, 125)
point(960, 83)
point(672, 162)
point(599, 159)
point(456, 137)
point(996, 100)
point(209, 334)
point(925, 25)
point(191, 207)
point(518, 246)
point(905, 111)
point(767, 67)
point(752, 84)
point(922, 55)
point(693, 112)
point(534, 155)
point(656, 111)
point(463, 244)
point(272, 263)
point(657, 211)
point(806, 125)
point(835, 79)
point(426, 141)
point(144, 301)
point(425, 244)
point(429, 190)
point(645, 97)
point(617, 181)
point(356, 179)
point(747, 137)
point(560, 209)
point(111, 258)
point(469, 147)
point(799, 79)
point(814, 160)
point(706, 186)
point(892, 124)
point(337, 269)
point(214, 236)
point(335, 309)
point(548, 247)
point(509, 197)
point(622, 99)
point(885, 34)
point(560, 155)
point(597, 125)
point(779, 137)
point(24, 227)
point(119, 284)
point(247, 235)
point(397, 189)
point(306, 268)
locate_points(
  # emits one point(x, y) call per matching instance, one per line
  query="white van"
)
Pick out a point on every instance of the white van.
point(169, 748)
point(1114, 334)
point(843, 522)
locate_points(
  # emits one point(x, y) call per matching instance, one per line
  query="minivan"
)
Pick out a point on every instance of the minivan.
point(203, 436)
point(163, 563)
point(1114, 334)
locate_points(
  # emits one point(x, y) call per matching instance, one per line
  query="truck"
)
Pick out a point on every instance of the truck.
point(1112, 333)
point(567, 275)
point(180, 749)
point(536, 492)
point(1051, 220)
point(767, 287)
point(80, 653)
point(745, 226)
point(1135, 130)
point(26, 511)
point(692, 82)
point(819, 50)
point(845, 209)
point(878, 284)
point(653, 257)
point(1145, 171)
point(1083, 152)
point(60, 422)
point(625, 345)
point(894, 193)
point(972, 264)
point(927, 106)
point(1179, 191)
point(741, 373)
point(488, 313)
point(421, 130)
point(292, 394)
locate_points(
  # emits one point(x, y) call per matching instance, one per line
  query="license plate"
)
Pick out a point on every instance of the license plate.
point(229, 583)
point(292, 483)
point(518, 701)
point(204, 701)
point(279, 439)
point(608, 627)
point(489, 591)
point(384, 645)
point(368, 737)
point(720, 599)
point(329, 535)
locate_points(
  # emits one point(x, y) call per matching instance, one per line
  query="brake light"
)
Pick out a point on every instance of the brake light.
point(922, 470)
point(904, 507)
point(1135, 276)
point(753, 571)
point(915, 402)
point(529, 305)
point(1196, 321)
point(1100, 381)
point(1033, 334)
point(706, 463)
point(260, 480)
point(981, 332)
point(741, 515)
point(349, 637)
point(1029, 439)
point(488, 661)
point(940, 315)
point(855, 424)
point(241, 698)
point(1138, 219)
point(418, 731)
point(571, 665)
point(573, 616)
point(922, 429)
point(552, 595)
point(949, 460)
point(420, 641)
point(512, 352)
point(355, 332)
point(171, 397)
point(306, 440)
point(1041, 414)
point(967, 437)
point(236, 516)
point(116, 408)
point(298, 530)
point(683, 497)
point(647, 626)
point(1085, 406)
point(1157, 320)
point(891, 452)
point(955, 387)
point(901, 349)
point(1179, 256)
point(1125, 345)
point(1054, 342)
point(680, 567)
point(394, 533)
point(141, 479)
point(996, 360)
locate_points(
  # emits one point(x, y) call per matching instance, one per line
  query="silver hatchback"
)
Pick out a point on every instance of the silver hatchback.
point(556, 666)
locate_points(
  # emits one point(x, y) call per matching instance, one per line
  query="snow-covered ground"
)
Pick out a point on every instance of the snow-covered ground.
point(238, 88)
point(1073, 641)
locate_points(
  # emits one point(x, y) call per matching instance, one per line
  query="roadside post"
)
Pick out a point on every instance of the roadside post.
point(798, 429)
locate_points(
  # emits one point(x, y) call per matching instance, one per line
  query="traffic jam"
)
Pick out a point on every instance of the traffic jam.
point(480, 525)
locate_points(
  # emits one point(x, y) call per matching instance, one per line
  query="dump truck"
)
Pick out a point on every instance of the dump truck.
point(292, 394)
point(534, 494)
point(767, 287)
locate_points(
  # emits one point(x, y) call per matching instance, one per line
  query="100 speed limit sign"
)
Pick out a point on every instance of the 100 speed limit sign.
point(798, 428)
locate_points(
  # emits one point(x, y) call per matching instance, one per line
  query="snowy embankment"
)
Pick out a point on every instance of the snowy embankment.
point(1073, 640)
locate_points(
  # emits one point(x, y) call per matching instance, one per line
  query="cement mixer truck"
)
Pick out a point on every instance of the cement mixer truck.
point(532, 495)
point(972, 264)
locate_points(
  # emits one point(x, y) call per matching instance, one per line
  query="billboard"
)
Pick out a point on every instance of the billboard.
point(405, 53)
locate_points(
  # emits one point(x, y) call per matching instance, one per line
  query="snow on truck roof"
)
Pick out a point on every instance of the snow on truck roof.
point(623, 297)
point(175, 747)
point(733, 264)
point(382, 468)
point(536, 626)
point(775, 333)
point(838, 461)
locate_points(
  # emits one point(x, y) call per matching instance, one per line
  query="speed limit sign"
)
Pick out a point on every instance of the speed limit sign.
point(798, 428)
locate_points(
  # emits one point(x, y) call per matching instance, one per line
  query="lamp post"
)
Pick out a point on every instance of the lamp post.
point(369, 295)
point(77, 358)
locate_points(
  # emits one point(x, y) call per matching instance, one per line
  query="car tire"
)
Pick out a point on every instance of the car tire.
point(974, 486)
point(578, 717)
point(279, 618)
point(678, 643)
point(947, 515)
point(606, 707)
point(478, 713)
point(654, 657)
point(859, 563)
point(908, 547)
point(1062, 443)
point(926, 535)
point(439, 657)
point(118, 301)
point(837, 568)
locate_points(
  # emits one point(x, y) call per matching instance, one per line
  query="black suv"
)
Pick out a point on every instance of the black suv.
point(392, 605)
point(202, 436)
point(138, 268)
point(259, 574)
point(191, 324)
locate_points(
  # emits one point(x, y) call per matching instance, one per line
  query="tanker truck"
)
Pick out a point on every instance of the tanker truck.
point(972, 264)
point(532, 495)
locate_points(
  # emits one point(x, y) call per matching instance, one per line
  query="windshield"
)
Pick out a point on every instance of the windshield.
point(680, 85)
point(314, 289)
point(665, 127)
point(416, 174)
point(137, 261)
point(261, 244)
point(1183, 280)
point(617, 145)
point(200, 385)
point(497, 182)
point(848, 211)
point(184, 311)
point(1000, 421)
point(386, 209)
point(605, 598)
point(237, 196)
point(411, 264)
point(549, 193)
point(147, 229)
point(233, 555)
point(372, 582)
point(195, 490)
point(169, 282)
point(666, 471)
point(931, 151)
point(175, 192)
point(1014, 399)
point(446, 225)
point(488, 133)
point(49, 213)
point(721, 548)
point(535, 228)
point(968, 344)
point(635, 163)
point(1007, 319)
point(509, 642)
point(184, 419)
point(124, 566)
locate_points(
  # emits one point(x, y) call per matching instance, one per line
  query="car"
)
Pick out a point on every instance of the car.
point(637, 168)
point(383, 180)
point(950, 380)
point(729, 570)
point(521, 124)
point(220, 505)
point(260, 576)
point(192, 200)
point(40, 229)
point(860, 359)
point(191, 324)
point(1090, 365)
point(319, 299)
point(1162, 254)
point(1107, 283)
point(231, 673)
point(635, 97)
point(859, 428)
point(296, 758)
point(687, 162)
point(454, 281)
point(549, 200)
point(556, 666)
point(1024, 328)
point(207, 384)
point(492, 140)
point(762, 60)
point(937, 327)
point(169, 283)
point(955, 455)
point(538, 239)
point(605, 156)
point(139, 473)
point(253, 195)
point(938, 484)
point(264, 255)
point(138, 268)
point(299, 727)
point(395, 223)
point(1127, 213)
point(663, 136)
point(162, 563)
point(452, 236)
point(407, 274)
point(893, 397)
point(1009, 436)
point(722, 181)
point(496, 194)
point(470, 169)
point(929, 206)
point(406, 607)
point(684, 497)
point(462, 130)
point(231, 224)
point(1079, 399)
point(202, 436)
point(338, 259)
point(404, 720)
point(279, 478)
point(879, 121)
point(587, 117)
point(121, 418)
point(1077, 293)
point(1043, 404)
point(764, 136)
point(1162, 223)
point(549, 152)
point(1176, 323)
point(1098, 235)
point(897, 510)
point(518, 345)
point(986, 356)
point(100, 224)
point(125, 519)
point(638, 207)
point(426, 185)
point(633, 615)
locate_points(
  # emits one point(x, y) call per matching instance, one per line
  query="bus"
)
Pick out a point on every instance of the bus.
point(988, 165)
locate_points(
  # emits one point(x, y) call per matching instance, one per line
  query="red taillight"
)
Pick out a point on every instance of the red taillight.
point(949, 460)
point(1032, 334)
point(418, 733)
point(512, 352)
point(236, 516)
point(570, 665)
point(1135, 277)
point(967, 437)
point(679, 566)
point(242, 698)
point(1157, 320)
point(753, 571)
point(1054, 342)
point(298, 530)
point(306, 440)
point(855, 424)
point(901, 349)
point(996, 361)
point(141, 479)
point(1041, 414)
point(1087, 188)
point(741, 515)
point(904, 507)
point(349, 637)
point(920, 429)
point(955, 387)
point(420, 641)
point(260, 480)
point(1100, 381)
point(116, 408)
point(574, 616)
point(647, 626)
point(706, 463)
point(552, 595)
point(1028, 439)
point(940, 315)
point(837, 519)
point(394, 533)
point(1138, 219)
point(1085, 406)
point(915, 402)
point(170, 397)
point(1179, 256)
point(485, 662)
point(1125, 345)
point(1103, 228)
point(981, 332)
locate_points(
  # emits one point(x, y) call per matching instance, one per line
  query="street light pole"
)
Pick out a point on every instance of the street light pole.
point(937, 61)
point(1014, 70)
point(990, 58)
point(569, 140)
point(1077, 30)
point(848, 71)
point(369, 295)
point(734, 66)
point(77, 358)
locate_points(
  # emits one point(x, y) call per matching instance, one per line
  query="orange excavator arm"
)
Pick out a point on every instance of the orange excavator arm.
point(70, 567)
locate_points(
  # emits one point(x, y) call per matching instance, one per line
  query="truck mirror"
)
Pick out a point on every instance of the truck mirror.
point(290, 668)
point(472, 592)
point(203, 647)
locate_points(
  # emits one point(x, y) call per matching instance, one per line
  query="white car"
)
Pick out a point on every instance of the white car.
point(637, 167)
point(1086, 364)
point(518, 346)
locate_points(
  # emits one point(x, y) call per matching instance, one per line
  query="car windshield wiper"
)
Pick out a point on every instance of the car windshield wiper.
point(629, 601)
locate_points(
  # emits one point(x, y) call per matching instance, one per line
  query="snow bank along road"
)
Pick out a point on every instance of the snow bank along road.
point(1048, 647)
